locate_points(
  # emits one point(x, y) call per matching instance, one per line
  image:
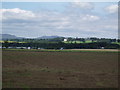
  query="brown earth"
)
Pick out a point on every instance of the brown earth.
point(30, 69)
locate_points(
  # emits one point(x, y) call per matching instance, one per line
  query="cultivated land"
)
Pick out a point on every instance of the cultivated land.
point(63, 69)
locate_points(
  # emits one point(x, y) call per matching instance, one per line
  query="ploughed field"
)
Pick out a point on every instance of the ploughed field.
point(36, 69)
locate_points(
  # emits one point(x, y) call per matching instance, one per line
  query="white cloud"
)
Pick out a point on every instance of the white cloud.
point(114, 27)
point(83, 5)
point(16, 13)
point(32, 24)
point(90, 18)
point(112, 9)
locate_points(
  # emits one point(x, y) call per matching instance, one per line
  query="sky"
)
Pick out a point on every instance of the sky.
point(68, 19)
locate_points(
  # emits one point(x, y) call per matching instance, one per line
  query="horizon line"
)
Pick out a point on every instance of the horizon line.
point(62, 36)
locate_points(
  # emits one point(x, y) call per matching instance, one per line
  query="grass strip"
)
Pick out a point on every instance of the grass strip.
point(48, 50)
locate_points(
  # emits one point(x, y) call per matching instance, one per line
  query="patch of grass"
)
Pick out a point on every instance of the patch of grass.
point(65, 50)
point(12, 42)
point(116, 43)
point(76, 51)
point(8, 84)
point(1, 41)
point(100, 83)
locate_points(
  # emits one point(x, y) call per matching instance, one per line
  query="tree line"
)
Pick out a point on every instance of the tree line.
point(57, 43)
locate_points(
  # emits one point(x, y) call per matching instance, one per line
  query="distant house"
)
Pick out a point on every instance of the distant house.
point(11, 47)
point(39, 48)
point(102, 47)
point(28, 47)
point(61, 48)
point(65, 40)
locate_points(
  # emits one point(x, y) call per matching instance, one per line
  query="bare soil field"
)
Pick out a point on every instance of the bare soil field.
point(30, 69)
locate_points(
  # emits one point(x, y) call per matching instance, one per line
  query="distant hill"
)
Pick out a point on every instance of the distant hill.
point(8, 36)
point(48, 37)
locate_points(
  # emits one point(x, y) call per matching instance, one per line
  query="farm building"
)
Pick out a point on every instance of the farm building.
point(65, 39)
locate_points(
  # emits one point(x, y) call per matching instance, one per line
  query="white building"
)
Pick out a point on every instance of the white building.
point(102, 47)
point(65, 40)
point(61, 48)
point(29, 48)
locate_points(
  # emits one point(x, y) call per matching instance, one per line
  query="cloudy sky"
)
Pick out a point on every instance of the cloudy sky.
point(69, 19)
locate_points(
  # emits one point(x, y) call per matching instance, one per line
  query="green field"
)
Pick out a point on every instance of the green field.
point(59, 69)
point(116, 43)
point(66, 50)
point(12, 42)
point(88, 41)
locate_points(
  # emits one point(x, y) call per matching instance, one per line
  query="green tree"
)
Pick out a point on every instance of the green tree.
point(6, 44)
